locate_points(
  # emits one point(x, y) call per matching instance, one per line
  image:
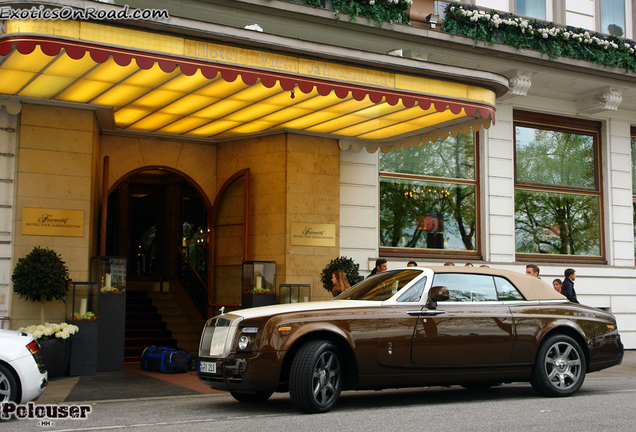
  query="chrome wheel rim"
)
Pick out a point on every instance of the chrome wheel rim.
point(326, 378)
point(563, 366)
point(5, 388)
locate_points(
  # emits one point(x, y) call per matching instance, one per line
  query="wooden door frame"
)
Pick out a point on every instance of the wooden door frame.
point(245, 174)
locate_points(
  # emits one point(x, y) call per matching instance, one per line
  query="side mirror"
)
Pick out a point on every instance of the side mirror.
point(435, 294)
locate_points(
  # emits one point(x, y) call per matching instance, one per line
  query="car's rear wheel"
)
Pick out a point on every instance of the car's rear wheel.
point(315, 378)
point(251, 397)
point(559, 369)
point(8, 385)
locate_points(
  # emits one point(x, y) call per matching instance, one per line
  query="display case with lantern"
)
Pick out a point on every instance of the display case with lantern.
point(259, 283)
point(110, 273)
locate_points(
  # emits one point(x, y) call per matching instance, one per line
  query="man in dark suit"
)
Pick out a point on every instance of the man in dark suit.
point(380, 266)
point(567, 289)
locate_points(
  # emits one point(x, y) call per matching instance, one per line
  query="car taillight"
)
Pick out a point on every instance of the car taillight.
point(33, 347)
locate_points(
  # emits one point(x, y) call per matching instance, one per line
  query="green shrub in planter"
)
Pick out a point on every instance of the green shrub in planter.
point(345, 264)
point(41, 276)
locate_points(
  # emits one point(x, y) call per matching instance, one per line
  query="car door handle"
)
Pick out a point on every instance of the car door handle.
point(425, 312)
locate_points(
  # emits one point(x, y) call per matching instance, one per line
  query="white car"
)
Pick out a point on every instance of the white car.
point(22, 374)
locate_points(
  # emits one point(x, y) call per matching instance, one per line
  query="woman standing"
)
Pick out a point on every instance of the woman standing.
point(557, 284)
point(340, 282)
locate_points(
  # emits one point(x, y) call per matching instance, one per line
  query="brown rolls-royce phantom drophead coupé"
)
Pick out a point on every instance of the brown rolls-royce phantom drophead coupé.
point(411, 327)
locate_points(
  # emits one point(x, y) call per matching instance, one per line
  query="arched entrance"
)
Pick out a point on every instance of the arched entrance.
point(158, 218)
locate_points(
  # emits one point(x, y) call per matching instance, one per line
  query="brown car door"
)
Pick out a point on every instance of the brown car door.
point(472, 328)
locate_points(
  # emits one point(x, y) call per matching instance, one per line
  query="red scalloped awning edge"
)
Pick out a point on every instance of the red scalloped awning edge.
point(123, 57)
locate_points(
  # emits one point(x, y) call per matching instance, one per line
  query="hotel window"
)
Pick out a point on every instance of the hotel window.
point(429, 199)
point(532, 8)
point(558, 194)
point(634, 181)
point(613, 17)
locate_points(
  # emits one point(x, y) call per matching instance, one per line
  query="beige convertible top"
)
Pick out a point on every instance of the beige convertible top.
point(531, 287)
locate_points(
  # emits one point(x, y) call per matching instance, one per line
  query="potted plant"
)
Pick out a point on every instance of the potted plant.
point(345, 264)
point(41, 276)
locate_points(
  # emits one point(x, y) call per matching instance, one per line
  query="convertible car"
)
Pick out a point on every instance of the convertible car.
point(412, 327)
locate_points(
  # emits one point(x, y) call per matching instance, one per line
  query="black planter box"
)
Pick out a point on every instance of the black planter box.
point(255, 300)
point(111, 331)
point(84, 349)
point(55, 355)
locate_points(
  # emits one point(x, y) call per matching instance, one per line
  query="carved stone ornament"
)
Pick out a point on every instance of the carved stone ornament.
point(607, 99)
point(520, 83)
point(610, 100)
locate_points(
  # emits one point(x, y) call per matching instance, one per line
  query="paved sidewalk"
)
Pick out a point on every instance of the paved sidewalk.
point(133, 383)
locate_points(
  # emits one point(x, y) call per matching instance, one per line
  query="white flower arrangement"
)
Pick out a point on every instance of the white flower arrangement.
point(49, 331)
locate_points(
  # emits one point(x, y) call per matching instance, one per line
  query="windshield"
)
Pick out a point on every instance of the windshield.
point(381, 286)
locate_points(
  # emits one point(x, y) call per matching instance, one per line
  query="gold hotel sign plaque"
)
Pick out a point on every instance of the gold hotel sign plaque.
point(53, 222)
point(313, 234)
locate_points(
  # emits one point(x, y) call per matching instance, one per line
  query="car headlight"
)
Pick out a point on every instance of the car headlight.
point(243, 341)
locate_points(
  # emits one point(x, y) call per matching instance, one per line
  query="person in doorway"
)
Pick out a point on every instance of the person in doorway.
point(567, 289)
point(557, 284)
point(532, 270)
point(380, 266)
point(340, 282)
point(411, 264)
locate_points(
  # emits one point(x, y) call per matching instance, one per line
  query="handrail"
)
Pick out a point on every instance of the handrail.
point(187, 260)
point(193, 284)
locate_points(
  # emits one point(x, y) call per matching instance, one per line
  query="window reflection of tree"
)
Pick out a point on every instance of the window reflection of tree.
point(556, 222)
point(427, 189)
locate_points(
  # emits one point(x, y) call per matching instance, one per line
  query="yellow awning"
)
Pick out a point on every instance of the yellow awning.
point(219, 92)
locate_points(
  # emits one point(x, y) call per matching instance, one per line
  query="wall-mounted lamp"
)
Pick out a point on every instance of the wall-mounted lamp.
point(432, 20)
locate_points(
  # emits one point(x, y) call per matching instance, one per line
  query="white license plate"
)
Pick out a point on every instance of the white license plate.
point(207, 367)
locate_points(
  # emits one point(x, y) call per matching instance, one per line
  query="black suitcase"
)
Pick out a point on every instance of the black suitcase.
point(165, 360)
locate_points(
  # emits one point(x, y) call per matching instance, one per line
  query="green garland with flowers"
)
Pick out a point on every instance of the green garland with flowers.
point(547, 38)
point(393, 11)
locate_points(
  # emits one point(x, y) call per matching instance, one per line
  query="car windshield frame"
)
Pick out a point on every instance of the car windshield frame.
point(381, 286)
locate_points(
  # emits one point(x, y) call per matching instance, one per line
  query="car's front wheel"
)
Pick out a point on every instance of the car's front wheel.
point(251, 397)
point(559, 369)
point(8, 385)
point(315, 378)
